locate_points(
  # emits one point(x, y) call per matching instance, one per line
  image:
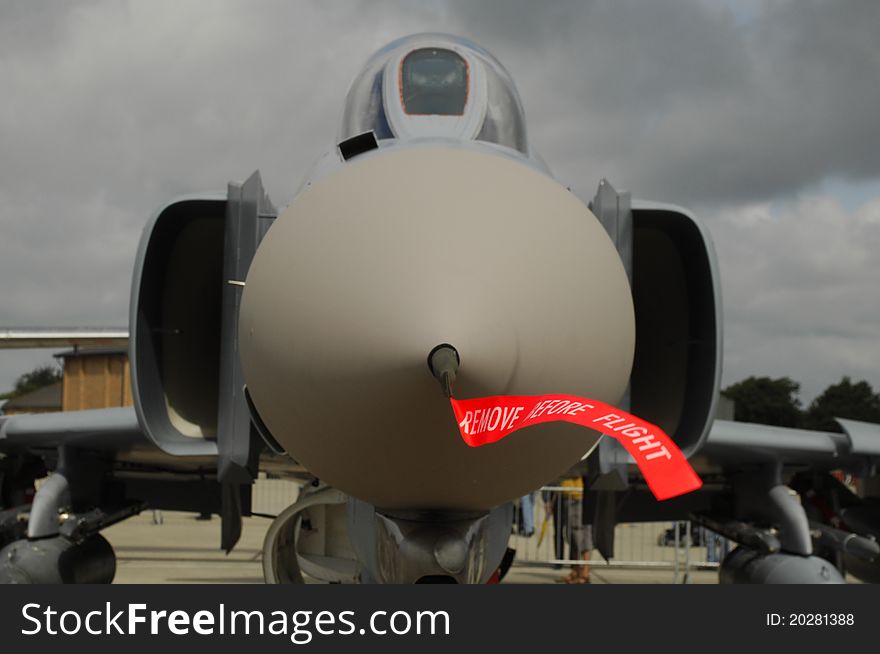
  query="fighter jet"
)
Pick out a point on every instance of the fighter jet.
point(430, 253)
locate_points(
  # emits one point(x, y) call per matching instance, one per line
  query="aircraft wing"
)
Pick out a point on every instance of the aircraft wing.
point(741, 442)
point(23, 338)
point(112, 435)
point(96, 429)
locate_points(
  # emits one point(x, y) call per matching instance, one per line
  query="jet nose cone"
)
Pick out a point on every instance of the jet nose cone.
point(372, 267)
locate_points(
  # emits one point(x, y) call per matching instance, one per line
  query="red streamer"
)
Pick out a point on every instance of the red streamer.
point(486, 420)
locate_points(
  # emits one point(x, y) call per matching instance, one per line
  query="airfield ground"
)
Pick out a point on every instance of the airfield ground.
point(184, 550)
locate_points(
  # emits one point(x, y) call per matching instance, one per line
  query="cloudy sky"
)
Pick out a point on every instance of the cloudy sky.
point(762, 117)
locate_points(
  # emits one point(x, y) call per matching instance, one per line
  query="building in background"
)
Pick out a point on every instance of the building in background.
point(96, 378)
point(42, 400)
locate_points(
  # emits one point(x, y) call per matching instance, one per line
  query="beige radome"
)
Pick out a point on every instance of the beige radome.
point(402, 250)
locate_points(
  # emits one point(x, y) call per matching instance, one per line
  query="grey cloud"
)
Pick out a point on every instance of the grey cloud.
point(112, 108)
point(800, 290)
point(684, 102)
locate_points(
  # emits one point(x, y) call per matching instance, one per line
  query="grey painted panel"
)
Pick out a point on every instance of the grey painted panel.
point(731, 442)
point(50, 497)
point(149, 400)
point(101, 429)
point(613, 211)
point(246, 207)
point(864, 437)
point(704, 284)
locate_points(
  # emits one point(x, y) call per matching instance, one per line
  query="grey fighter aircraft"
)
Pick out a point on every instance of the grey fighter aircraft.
point(431, 245)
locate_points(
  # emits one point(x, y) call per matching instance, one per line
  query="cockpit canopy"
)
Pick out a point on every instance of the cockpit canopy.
point(434, 81)
point(435, 85)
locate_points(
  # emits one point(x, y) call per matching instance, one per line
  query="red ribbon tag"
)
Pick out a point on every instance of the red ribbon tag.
point(485, 420)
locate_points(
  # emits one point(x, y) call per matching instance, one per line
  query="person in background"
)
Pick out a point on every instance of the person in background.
point(556, 505)
point(580, 535)
point(716, 546)
point(527, 507)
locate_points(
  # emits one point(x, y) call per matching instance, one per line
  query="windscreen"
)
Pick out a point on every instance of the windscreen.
point(434, 81)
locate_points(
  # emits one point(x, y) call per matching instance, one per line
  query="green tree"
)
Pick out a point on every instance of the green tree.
point(37, 378)
point(843, 400)
point(766, 401)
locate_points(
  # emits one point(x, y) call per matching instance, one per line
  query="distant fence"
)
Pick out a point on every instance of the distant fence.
point(675, 546)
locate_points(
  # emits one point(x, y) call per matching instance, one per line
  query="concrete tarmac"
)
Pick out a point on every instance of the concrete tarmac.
point(179, 549)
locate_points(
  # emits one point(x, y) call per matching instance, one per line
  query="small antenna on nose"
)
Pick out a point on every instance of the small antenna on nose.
point(443, 362)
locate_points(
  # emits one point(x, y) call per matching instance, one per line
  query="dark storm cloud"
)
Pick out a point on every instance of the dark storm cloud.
point(111, 108)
